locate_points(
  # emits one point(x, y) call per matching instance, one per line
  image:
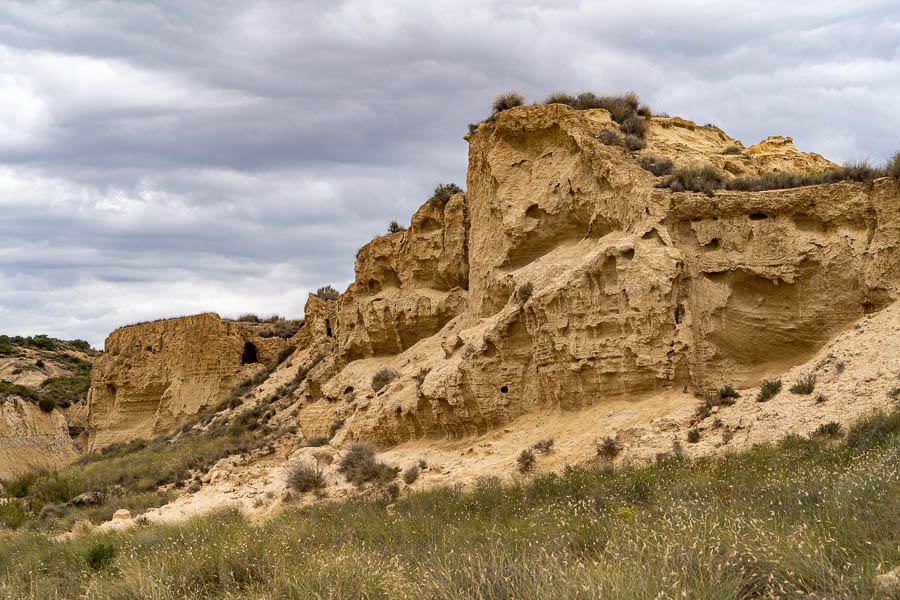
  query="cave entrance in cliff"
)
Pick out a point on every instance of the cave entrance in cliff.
point(249, 355)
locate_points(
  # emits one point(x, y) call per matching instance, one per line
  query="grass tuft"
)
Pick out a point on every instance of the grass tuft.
point(805, 385)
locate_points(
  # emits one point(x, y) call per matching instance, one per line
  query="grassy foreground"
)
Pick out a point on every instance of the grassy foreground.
point(810, 518)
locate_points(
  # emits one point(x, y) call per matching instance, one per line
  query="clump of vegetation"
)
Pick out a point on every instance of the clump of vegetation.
point(873, 430)
point(326, 292)
point(544, 446)
point(634, 143)
point(608, 448)
point(100, 555)
point(609, 137)
point(443, 193)
point(860, 171)
point(768, 390)
point(728, 395)
point(316, 441)
point(830, 429)
point(695, 179)
point(382, 377)
point(411, 474)
point(523, 293)
point(304, 477)
point(281, 327)
point(693, 436)
point(657, 166)
point(805, 385)
point(506, 100)
point(732, 150)
point(358, 465)
point(526, 461)
point(395, 227)
point(821, 399)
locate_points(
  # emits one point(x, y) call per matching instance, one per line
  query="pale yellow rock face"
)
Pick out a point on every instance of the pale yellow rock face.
point(152, 378)
point(32, 440)
point(636, 290)
point(637, 293)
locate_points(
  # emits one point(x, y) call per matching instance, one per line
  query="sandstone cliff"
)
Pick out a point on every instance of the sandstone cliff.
point(562, 279)
point(31, 439)
point(152, 378)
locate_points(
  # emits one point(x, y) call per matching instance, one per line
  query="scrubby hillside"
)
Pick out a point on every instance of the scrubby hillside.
point(43, 389)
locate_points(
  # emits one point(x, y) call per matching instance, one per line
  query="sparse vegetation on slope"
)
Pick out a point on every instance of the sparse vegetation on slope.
point(708, 179)
point(811, 518)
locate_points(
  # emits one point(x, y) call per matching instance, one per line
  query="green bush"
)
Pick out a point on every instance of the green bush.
point(768, 390)
point(315, 442)
point(411, 474)
point(873, 430)
point(732, 150)
point(805, 385)
point(100, 556)
point(506, 101)
point(395, 227)
point(693, 436)
point(47, 404)
point(442, 194)
point(326, 292)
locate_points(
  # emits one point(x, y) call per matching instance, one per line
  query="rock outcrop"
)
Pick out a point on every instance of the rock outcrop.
point(31, 439)
point(152, 378)
point(563, 278)
point(633, 289)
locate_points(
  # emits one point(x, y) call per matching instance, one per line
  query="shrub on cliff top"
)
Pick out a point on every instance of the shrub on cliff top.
point(395, 227)
point(507, 100)
point(326, 292)
point(442, 194)
point(695, 179)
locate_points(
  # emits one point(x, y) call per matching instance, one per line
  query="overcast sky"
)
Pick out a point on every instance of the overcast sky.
point(168, 158)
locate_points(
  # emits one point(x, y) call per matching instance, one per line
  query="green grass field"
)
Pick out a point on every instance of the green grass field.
point(804, 518)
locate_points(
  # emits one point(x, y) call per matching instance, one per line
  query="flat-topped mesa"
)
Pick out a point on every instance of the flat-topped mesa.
point(154, 377)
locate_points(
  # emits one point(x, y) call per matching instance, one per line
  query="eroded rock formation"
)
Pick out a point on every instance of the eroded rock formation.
point(31, 439)
point(152, 378)
point(562, 278)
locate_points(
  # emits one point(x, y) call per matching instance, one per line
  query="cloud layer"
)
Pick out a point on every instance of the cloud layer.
point(172, 158)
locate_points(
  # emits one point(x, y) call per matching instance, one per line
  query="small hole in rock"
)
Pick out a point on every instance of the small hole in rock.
point(504, 389)
point(758, 217)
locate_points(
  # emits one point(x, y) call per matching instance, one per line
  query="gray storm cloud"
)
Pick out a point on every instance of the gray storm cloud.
point(168, 158)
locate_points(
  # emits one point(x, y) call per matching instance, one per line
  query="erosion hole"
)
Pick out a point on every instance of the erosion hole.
point(249, 355)
point(758, 217)
point(504, 389)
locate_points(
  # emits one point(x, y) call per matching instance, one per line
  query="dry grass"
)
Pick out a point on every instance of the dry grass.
point(805, 518)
